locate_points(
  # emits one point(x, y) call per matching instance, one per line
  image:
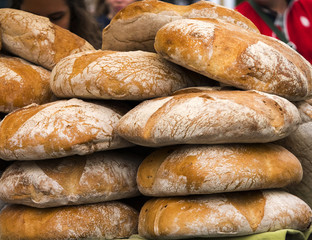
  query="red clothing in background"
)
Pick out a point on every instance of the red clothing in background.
point(297, 24)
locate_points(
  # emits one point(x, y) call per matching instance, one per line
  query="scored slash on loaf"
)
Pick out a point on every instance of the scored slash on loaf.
point(206, 169)
point(58, 129)
point(209, 117)
point(234, 56)
point(223, 215)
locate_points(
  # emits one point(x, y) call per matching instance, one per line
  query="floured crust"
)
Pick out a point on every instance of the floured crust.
point(109, 220)
point(234, 56)
point(98, 177)
point(59, 129)
point(36, 39)
point(206, 169)
point(209, 117)
point(223, 215)
point(134, 75)
point(22, 83)
point(135, 27)
point(299, 143)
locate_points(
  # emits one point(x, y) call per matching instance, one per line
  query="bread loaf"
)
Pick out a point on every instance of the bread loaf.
point(205, 169)
point(22, 83)
point(58, 129)
point(209, 117)
point(135, 26)
point(135, 75)
point(299, 143)
point(97, 177)
point(36, 39)
point(223, 215)
point(234, 56)
point(109, 220)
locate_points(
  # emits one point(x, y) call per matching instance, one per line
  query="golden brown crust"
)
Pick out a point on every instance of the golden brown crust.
point(233, 56)
point(36, 39)
point(108, 220)
point(128, 29)
point(222, 215)
point(59, 129)
point(133, 75)
point(204, 169)
point(209, 117)
point(97, 177)
point(22, 83)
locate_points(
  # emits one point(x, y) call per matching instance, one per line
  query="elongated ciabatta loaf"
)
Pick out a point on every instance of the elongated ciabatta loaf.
point(109, 220)
point(135, 75)
point(97, 177)
point(299, 143)
point(223, 215)
point(234, 56)
point(22, 83)
point(209, 117)
point(205, 169)
point(36, 39)
point(135, 27)
point(59, 129)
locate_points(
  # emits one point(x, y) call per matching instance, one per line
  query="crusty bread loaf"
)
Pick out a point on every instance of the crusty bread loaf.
point(209, 117)
point(36, 39)
point(234, 56)
point(135, 26)
point(222, 215)
point(22, 83)
point(134, 75)
point(205, 169)
point(109, 220)
point(58, 129)
point(299, 143)
point(97, 177)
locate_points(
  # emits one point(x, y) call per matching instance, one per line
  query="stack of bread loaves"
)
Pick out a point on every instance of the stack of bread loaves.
point(212, 170)
point(228, 185)
point(51, 191)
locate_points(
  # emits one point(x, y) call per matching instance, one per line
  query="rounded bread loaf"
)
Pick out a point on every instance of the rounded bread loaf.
point(109, 220)
point(22, 83)
point(209, 117)
point(299, 143)
point(223, 215)
point(58, 129)
point(206, 169)
point(36, 39)
point(97, 177)
point(234, 56)
point(135, 26)
point(134, 75)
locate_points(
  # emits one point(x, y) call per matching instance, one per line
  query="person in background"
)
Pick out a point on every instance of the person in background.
point(107, 9)
point(287, 20)
point(69, 14)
